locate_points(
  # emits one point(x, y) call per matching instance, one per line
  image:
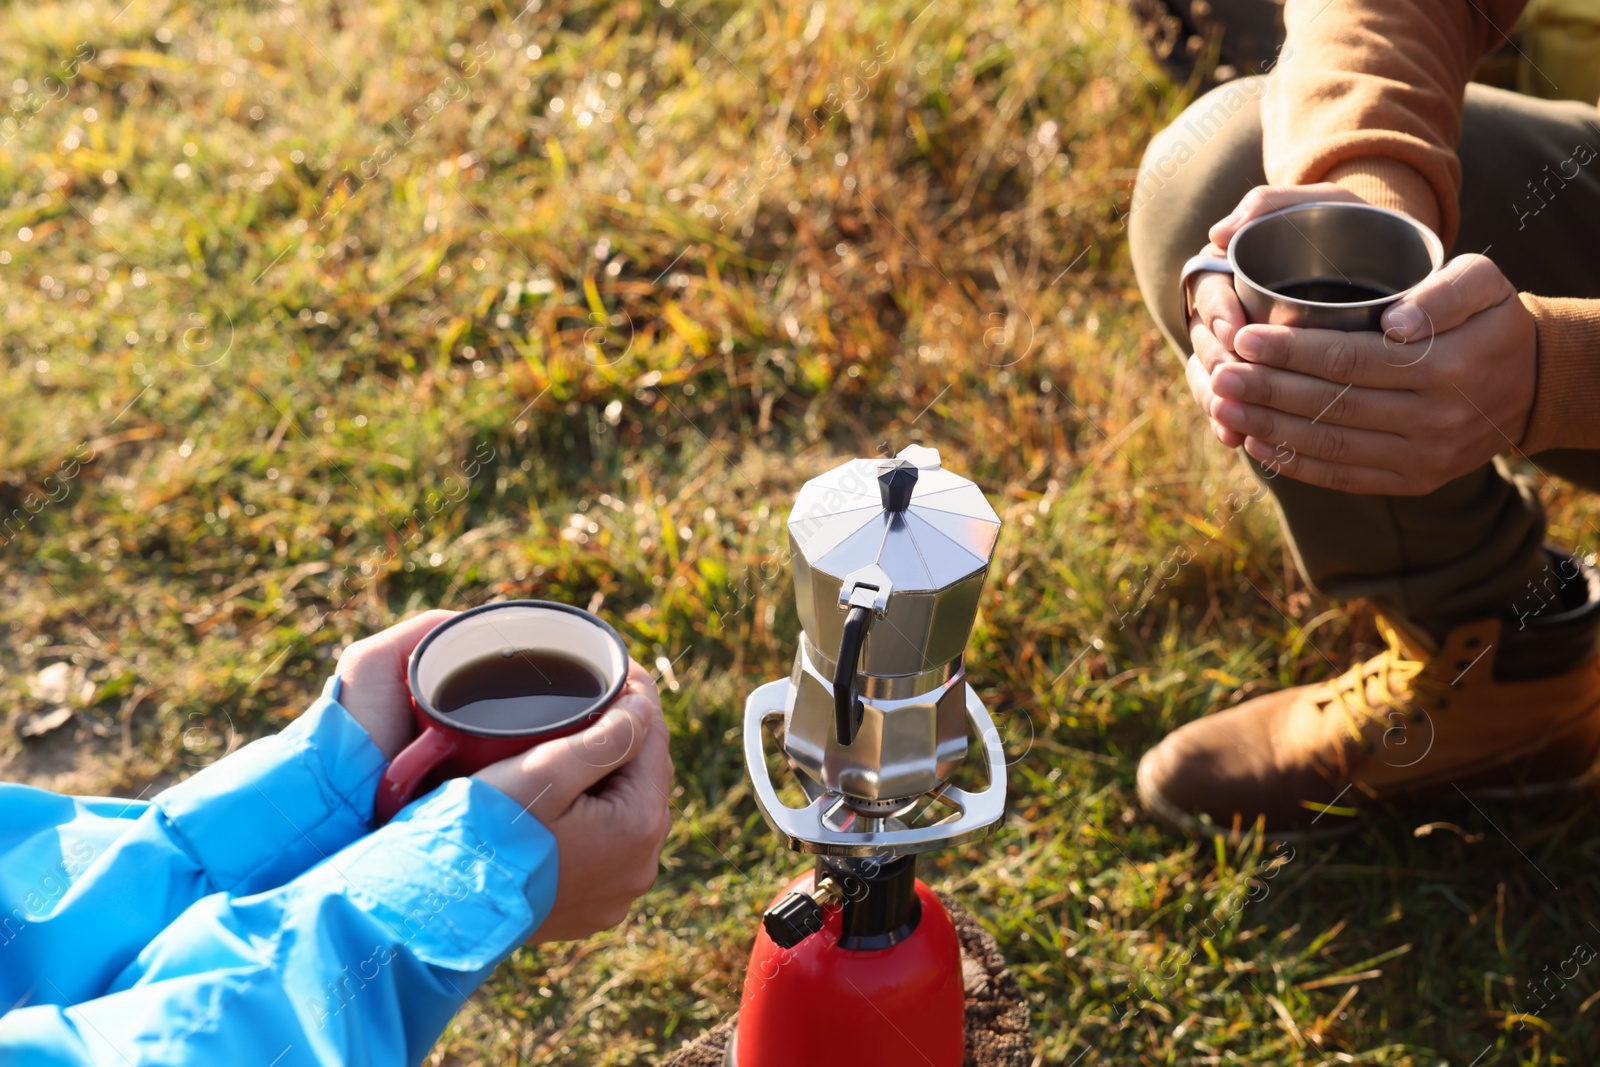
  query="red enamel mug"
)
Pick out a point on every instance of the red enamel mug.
point(446, 748)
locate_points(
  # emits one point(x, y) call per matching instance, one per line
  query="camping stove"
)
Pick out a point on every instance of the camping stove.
point(857, 957)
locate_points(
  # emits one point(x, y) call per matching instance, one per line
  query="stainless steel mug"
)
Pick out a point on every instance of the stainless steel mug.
point(1328, 265)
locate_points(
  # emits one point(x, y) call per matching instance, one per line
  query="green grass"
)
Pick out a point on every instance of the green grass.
point(284, 320)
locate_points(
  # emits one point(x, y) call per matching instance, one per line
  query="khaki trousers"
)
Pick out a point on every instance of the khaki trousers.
point(1471, 548)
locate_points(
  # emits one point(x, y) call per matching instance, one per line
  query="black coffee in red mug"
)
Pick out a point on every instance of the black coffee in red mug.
point(495, 681)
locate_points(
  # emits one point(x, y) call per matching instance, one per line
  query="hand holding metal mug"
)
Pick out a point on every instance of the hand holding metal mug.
point(1434, 382)
point(1215, 313)
point(1328, 265)
point(1447, 387)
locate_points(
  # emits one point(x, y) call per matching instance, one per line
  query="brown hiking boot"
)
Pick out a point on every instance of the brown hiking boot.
point(1498, 708)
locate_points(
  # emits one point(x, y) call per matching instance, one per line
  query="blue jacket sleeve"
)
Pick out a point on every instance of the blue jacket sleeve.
point(361, 960)
point(85, 883)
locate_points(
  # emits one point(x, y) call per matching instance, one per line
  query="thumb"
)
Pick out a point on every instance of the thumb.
point(548, 778)
point(1447, 298)
point(1265, 199)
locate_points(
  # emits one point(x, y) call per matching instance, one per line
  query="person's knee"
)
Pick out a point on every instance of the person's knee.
point(1164, 159)
point(1217, 135)
point(1192, 174)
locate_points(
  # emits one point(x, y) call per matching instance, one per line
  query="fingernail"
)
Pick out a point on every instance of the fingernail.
point(1228, 385)
point(1249, 345)
point(1406, 318)
point(1229, 412)
point(1222, 330)
point(1257, 448)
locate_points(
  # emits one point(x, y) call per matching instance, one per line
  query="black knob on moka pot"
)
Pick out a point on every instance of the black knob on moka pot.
point(897, 480)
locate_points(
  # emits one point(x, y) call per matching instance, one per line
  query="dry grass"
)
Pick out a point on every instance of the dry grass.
point(750, 240)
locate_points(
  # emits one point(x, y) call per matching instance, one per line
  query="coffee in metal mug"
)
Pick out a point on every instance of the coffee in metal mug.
point(1292, 267)
point(449, 748)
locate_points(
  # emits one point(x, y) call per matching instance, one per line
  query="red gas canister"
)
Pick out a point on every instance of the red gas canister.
point(898, 1004)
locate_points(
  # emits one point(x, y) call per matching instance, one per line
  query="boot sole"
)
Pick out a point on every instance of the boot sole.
point(1537, 790)
point(1204, 828)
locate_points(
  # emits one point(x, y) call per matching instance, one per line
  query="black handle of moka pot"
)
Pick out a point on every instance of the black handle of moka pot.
point(846, 705)
point(897, 481)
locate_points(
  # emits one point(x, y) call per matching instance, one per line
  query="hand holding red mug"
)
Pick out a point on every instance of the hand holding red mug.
point(372, 681)
point(482, 645)
point(597, 778)
point(604, 794)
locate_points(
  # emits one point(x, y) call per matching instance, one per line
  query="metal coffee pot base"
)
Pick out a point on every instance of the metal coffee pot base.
point(836, 825)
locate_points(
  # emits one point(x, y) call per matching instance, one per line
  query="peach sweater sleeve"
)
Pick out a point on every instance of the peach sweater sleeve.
point(1368, 94)
point(1566, 394)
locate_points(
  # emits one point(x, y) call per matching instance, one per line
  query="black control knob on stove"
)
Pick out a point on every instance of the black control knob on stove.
point(792, 919)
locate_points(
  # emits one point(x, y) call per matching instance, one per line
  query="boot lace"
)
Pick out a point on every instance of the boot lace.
point(1389, 683)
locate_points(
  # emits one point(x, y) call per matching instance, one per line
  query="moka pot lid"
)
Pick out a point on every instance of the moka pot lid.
point(927, 528)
